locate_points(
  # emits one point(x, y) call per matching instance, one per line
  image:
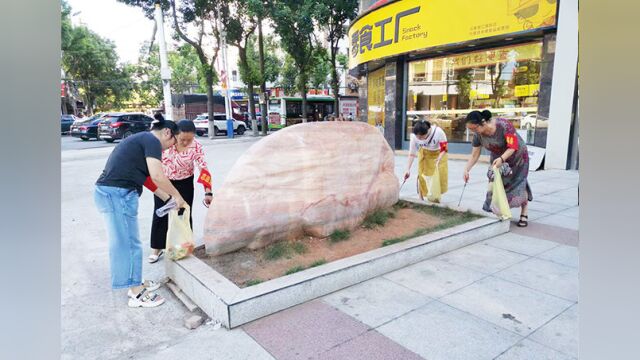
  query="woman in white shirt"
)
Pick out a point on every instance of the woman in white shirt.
point(429, 145)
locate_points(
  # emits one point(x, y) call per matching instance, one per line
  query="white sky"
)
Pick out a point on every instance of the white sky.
point(125, 25)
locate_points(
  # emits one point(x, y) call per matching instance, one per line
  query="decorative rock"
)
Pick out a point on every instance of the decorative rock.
point(193, 322)
point(307, 179)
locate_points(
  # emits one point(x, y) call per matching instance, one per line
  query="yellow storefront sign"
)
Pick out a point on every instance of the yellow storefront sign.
point(375, 97)
point(411, 25)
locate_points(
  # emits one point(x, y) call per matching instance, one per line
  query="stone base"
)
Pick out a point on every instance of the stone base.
point(222, 300)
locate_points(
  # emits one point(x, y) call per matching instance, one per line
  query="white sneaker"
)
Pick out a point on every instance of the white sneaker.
point(145, 299)
point(149, 285)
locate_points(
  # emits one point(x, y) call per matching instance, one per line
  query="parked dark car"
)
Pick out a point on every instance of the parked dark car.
point(65, 123)
point(86, 129)
point(117, 126)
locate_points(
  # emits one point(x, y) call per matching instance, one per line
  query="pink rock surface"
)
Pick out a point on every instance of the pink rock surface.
point(307, 179)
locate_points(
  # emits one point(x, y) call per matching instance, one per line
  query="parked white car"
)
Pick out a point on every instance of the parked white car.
point(219, 123)
point(532, 121)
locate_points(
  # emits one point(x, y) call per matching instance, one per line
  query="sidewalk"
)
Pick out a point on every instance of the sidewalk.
point(511, 297)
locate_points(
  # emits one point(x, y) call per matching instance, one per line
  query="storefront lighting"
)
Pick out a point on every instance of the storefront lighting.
point(509, 38)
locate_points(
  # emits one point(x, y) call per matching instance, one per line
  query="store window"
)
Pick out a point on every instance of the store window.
point(375, 97)
point(504, 80)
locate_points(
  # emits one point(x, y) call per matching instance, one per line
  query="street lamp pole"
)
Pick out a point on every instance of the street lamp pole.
point(165, 71)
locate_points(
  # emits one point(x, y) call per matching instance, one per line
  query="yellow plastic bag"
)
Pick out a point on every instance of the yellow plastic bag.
point(434, 192)
point(499, 202)
point(180, 242)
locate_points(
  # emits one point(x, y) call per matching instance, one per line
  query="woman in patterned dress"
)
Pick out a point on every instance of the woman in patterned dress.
point(179, 162)
point(506, 146)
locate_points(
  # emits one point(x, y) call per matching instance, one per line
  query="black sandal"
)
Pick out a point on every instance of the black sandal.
point(523, 221)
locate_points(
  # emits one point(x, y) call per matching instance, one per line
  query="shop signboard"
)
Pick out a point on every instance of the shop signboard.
point(410, 25)
point(349, 106)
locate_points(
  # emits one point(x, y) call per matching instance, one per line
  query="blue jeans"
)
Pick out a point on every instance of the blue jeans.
point(119, 207)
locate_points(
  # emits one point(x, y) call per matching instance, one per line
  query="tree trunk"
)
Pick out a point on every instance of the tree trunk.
point(263, 86)
point(242, 52)
point(335, 85)
point(302, 87)
point(209, 79)
point(252, 109)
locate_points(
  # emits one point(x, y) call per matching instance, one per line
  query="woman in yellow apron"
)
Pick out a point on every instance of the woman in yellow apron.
point(429, 144)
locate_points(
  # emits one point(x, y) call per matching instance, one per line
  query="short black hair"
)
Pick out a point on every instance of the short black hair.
point(186, 126)
point(421, 127)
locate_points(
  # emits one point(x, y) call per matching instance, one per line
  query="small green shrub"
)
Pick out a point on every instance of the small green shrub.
point(276, 251)
point(253, 282)
point(339, 235)
point(318, 263)
point(294, 269)
point(299, 247)
point(377, 218)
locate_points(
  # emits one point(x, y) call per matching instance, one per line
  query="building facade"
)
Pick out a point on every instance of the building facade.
point(440, 59)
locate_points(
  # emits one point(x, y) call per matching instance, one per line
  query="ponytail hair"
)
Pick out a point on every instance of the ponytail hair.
point(478, 118)
point(421, 127)
point(160, 123)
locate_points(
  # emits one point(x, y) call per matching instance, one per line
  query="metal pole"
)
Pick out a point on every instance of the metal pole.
point(264, 96)
point(227, 97)
point(165, 71)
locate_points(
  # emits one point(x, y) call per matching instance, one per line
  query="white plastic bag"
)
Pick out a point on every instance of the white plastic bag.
point(180, 242)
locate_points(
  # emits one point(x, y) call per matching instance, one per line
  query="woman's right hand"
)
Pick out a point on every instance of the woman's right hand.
point(406, 175)
point(466, 176)
point(180, 203)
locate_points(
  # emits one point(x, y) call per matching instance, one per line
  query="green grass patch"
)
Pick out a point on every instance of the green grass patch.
point(339, 235)
point(457, 219)
point(299, 247)
point(284, 249)
point(294, 270)
point(253, 282)
point(377, 218)
point(318, 263)
point(276, 251)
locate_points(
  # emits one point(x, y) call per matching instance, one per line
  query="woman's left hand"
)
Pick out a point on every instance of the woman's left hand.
point(497, 162)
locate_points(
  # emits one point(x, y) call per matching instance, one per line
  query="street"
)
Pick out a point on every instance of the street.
point(67, 142)
point(530, 275)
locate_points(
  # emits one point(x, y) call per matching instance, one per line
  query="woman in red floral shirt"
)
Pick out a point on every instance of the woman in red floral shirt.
point(179, 163)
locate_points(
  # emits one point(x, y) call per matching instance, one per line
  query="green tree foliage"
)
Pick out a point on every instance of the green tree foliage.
point(91, 62)
point(273, 64)
point(294, 24)
point(205, 17)
point(321, 66)
point(464, 77)
point(333, 16)
point(289, 76)
point(185, 75)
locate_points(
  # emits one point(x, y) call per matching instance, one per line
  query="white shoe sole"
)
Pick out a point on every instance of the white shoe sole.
point(155, 258)
point(133, 303)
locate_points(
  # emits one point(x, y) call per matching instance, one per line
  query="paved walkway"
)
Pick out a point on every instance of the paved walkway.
point(510, 297)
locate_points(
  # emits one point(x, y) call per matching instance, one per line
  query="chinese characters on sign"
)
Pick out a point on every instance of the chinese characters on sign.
point(361, 38)
point(485, 29)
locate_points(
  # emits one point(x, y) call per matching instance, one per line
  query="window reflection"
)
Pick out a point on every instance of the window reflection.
point(504, 80)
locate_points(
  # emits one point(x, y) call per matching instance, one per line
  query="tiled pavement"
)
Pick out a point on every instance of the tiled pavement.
point(514, 296)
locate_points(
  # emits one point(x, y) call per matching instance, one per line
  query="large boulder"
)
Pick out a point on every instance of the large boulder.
point(307, 179)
